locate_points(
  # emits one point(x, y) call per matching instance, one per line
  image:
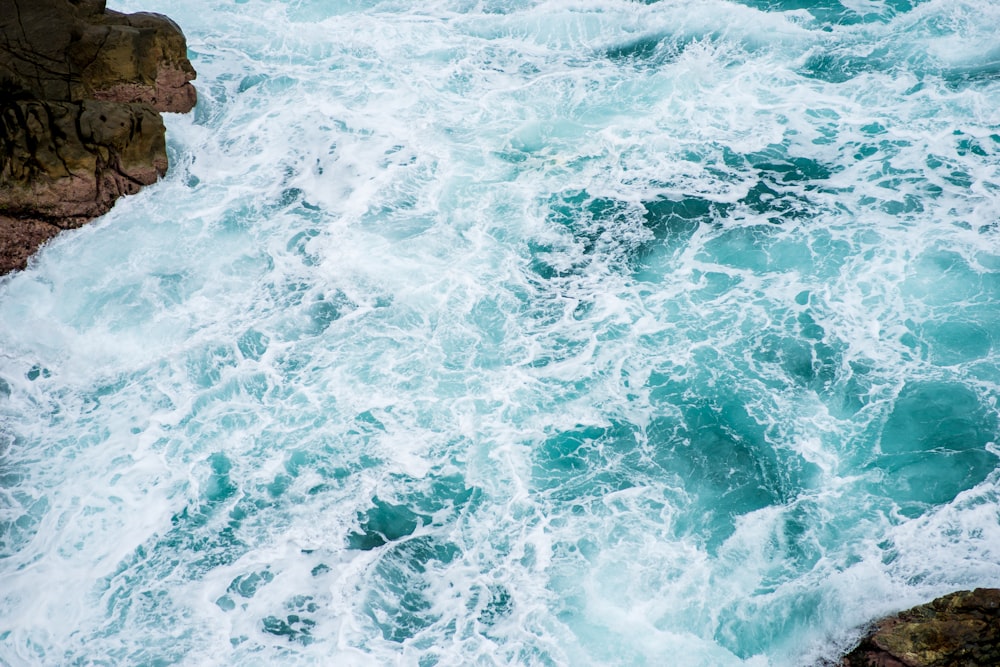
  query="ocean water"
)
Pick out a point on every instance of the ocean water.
point(520, 332)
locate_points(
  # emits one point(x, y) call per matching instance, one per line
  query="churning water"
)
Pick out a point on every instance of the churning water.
point(520, 332)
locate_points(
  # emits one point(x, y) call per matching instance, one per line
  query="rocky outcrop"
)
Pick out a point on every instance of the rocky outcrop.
point(958, 630)
point(81, 88)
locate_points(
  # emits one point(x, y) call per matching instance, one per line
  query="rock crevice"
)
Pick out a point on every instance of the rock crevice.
point(81, 92)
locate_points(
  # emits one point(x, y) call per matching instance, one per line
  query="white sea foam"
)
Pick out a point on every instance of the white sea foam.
point(518, 333)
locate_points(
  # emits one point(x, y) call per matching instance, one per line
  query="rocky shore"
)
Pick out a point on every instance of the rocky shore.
point(81, 91)
point(958, 630)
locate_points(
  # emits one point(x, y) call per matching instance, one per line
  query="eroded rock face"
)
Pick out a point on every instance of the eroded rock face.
point(81, 89)
point(73, 50)
point(66, 161)
point(958, 630)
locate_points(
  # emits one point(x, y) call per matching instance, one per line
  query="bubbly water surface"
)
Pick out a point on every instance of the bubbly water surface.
point(520, 332)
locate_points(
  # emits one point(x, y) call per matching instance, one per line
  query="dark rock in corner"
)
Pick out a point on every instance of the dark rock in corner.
point(81, 88)
point(958, 630)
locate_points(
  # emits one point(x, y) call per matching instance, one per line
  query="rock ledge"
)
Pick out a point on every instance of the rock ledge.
point(81, 91)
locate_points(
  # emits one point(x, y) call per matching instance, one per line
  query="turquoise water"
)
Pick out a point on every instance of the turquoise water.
point(520, 333)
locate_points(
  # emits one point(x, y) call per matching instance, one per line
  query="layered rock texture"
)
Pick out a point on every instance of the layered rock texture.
point(958, 630)
point(81, 88)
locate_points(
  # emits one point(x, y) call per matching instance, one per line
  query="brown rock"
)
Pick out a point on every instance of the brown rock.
point(72, 51)
point(80, 88)
point(140, 58)
point(958, 630)
point(64, 161)
point(19, 238)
